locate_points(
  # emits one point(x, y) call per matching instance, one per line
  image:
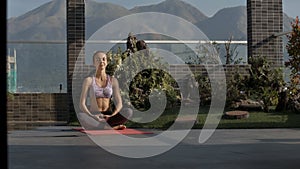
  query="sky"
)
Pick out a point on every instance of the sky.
point(208, 7)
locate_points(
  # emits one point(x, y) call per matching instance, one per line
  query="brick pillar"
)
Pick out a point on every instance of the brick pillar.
point(75, 45)
point(265, 18)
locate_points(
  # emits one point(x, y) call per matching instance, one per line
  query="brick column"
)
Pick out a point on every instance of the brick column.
point(75, 45)
point(265, 17)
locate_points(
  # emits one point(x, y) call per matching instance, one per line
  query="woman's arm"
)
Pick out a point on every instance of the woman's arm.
point(84, 92)
point(117, 96)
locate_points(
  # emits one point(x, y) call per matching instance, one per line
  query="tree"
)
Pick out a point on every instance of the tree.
point(139, 71)
point(293, 48)
point(231, 52)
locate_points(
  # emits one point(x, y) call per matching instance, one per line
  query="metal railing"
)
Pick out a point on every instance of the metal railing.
point(124, 41)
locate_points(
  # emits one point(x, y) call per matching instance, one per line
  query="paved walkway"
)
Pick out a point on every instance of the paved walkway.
point(63, 148)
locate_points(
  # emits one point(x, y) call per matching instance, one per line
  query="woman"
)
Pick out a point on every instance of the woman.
point(101, 88)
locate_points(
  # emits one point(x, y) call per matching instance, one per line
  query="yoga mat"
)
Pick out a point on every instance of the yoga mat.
point(126, 131)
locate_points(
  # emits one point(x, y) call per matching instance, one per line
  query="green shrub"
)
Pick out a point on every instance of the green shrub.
point(142, 73)
point(262, 84)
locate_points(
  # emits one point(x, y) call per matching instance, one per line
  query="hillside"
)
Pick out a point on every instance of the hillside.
point(226, 23)
point(47, 22)
point(174, 7)
point(99, 14)
point(42, 67)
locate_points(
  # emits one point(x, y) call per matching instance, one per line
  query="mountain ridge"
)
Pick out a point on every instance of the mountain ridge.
point(236, 24)
point(174, 7)
point(48, 22)
point(38, 62)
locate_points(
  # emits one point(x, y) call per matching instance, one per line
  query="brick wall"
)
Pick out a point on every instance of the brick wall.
point(28, 110)
point(179, 71)
point(75, 48)
point(265, 17)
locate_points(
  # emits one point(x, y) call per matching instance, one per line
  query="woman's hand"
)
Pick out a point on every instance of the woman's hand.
point(99, 118)
point(106, 116)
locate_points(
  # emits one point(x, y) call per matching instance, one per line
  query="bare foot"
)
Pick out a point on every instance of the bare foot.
point(119, 127)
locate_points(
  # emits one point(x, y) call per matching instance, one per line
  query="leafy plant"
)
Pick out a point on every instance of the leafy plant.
point(236, 87)
point(293, 48)
point(142, 72)
point(204, 89)
point(264, 82)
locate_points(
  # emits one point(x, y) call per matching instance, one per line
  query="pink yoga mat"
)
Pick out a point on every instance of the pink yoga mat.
point(126, 131)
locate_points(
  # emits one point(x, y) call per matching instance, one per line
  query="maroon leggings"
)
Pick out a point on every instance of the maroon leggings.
point(119, 118)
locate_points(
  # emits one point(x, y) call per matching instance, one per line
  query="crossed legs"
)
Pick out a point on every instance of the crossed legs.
point(116, 122)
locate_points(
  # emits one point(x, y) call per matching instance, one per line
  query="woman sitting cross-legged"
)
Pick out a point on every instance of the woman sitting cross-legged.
point(101, 87)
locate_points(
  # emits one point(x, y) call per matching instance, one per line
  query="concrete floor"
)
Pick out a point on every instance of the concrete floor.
point(64, 148)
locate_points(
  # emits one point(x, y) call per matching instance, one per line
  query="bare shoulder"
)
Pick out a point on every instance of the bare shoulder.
point(88, 80)
point(114, 81)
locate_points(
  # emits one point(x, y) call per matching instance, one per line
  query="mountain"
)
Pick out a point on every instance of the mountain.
point(226, 23)
point(41, 67)
point(37, 62)
point(174, 7)
point(99, 14)
point(48, 22)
